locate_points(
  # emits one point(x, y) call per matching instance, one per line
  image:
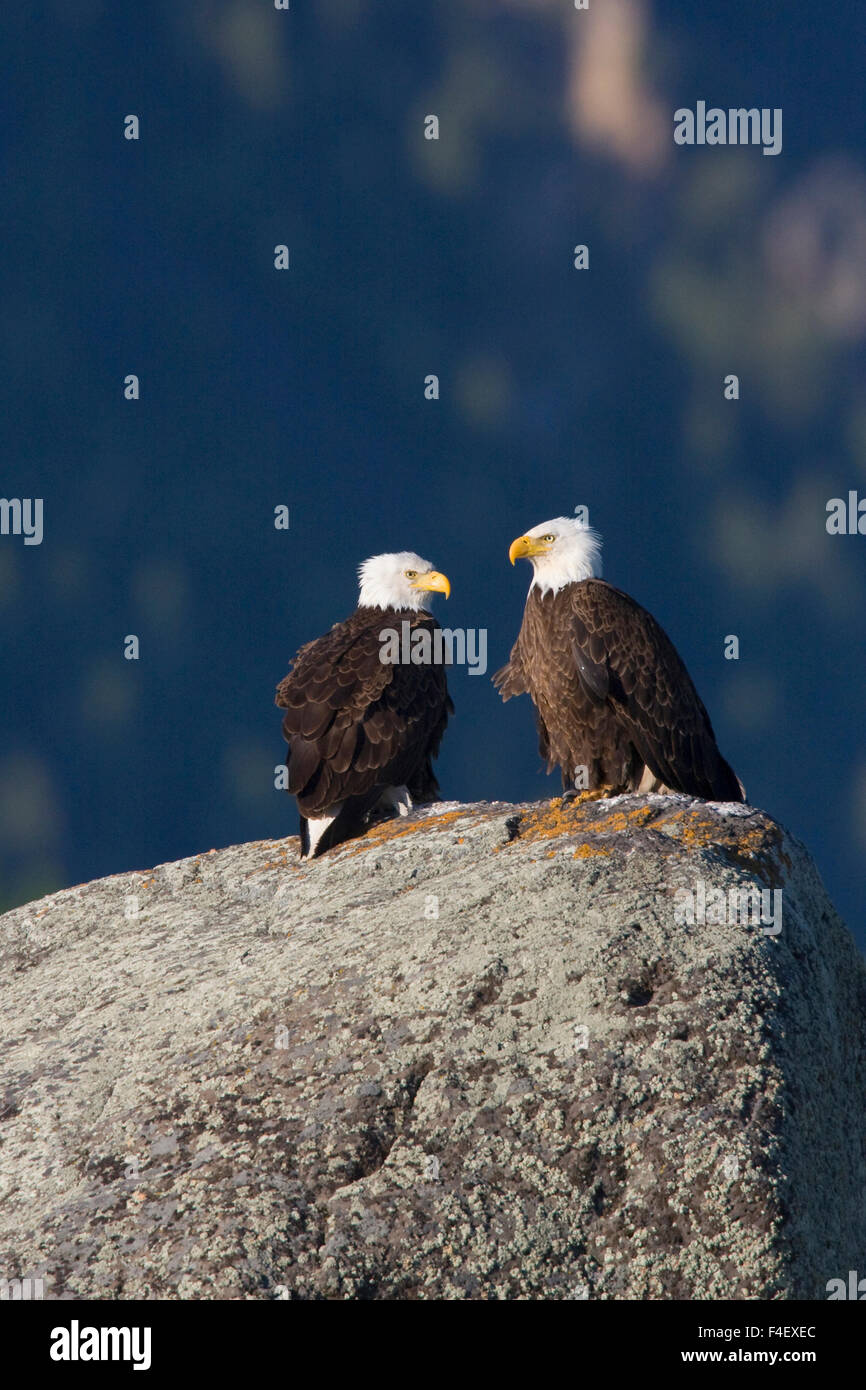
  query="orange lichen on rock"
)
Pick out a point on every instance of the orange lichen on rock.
point(270, 863)
point(400, 827)
point(753, 843)
point(565, 817)
point(754, 846)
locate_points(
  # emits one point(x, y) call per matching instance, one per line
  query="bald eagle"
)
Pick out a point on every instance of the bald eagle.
point(363, 728)
point(616, 707)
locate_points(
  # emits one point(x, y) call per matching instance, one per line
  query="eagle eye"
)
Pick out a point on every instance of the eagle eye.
point(548, 538)
point(411, 574)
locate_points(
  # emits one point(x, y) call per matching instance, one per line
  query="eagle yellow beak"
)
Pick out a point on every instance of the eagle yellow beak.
point(434, 582)
point(526, 546)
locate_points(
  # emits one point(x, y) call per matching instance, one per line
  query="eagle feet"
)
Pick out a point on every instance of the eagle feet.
point(394, 802)
point(377, 814)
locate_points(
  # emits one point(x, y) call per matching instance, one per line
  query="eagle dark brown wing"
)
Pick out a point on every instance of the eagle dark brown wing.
point(626, 661)
point(355, 724)
point(511, 679)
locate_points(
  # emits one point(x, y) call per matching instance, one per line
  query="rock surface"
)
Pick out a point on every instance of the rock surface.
point(477, 1054)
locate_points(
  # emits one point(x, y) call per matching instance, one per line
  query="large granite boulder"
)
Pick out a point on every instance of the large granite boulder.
point(542, 1051)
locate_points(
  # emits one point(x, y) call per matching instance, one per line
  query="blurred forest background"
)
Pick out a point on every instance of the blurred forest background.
point(410, 256)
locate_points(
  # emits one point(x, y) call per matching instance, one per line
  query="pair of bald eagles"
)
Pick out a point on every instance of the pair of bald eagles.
point(616, 707)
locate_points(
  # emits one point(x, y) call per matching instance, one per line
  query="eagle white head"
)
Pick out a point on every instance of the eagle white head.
point(399, 581)
point(562, 551)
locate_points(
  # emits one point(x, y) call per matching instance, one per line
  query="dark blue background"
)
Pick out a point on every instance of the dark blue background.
point(408, 257)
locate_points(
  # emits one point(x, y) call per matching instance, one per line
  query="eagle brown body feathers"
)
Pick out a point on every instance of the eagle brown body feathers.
point(613, 696)
point(356, 725)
